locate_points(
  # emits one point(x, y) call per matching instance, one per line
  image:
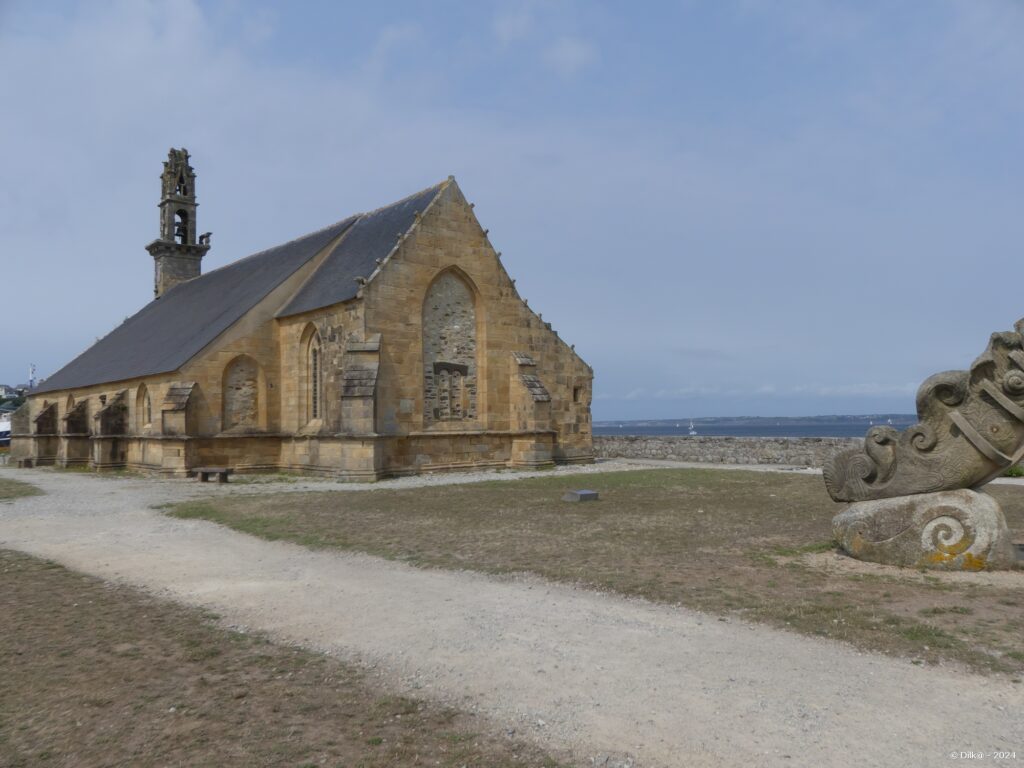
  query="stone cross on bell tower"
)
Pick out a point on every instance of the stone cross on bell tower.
point(176, 255)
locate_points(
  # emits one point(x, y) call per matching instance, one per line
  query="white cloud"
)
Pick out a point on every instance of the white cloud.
point(870, 389)
point(568, 56)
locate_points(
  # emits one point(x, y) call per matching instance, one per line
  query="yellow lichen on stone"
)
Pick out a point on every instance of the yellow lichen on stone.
point(974, 562)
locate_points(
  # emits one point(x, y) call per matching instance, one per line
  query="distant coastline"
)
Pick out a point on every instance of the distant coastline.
point(758, 426)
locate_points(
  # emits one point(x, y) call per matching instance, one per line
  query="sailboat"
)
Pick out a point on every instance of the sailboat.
point(693, 431)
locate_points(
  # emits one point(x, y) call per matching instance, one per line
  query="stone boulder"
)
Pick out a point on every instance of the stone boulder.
point(960, 530)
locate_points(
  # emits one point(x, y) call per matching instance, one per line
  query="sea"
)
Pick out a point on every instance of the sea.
point(810, 426)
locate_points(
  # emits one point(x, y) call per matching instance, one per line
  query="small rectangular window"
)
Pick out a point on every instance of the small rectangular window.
point(577, 392)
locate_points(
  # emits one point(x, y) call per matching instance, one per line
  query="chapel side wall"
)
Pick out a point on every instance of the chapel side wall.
point(335, 324)
point(567, 378)
point(254, 335)
point(449, 235)
point(140, 446)
point(21, 445)
point(329, 445)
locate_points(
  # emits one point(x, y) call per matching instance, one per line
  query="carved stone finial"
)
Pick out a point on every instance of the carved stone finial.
point(971, 429)
point(915, 492)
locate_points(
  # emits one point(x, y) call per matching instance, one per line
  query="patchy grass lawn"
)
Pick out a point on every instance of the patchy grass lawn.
point(96, 675)
point(15, 489)
point(726, 542)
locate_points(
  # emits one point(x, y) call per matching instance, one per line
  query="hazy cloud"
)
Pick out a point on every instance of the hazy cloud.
point(702, 353)
point(569, 56)
point(513, 25)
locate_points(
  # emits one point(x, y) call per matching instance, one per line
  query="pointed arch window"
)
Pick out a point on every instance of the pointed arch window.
point(143, 408)
point(449, 349)
point(315, 378)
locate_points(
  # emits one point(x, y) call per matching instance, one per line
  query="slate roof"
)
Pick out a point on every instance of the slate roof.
point(171, 330)
point(373, 237)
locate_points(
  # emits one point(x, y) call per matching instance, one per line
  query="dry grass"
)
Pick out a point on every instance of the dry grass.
point(723, 542)
point(95, 675)
point(15, 489)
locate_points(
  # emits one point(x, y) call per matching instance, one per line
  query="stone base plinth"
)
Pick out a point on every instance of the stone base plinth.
point(958, 530)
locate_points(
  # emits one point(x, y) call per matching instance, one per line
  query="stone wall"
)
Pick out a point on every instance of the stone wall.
point(241, 393)
point(796, 451)
point(449, 351)
point(449, 255)
point(440, 305)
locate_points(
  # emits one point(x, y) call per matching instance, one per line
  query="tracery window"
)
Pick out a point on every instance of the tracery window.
point(143, 408)
point(315, 378)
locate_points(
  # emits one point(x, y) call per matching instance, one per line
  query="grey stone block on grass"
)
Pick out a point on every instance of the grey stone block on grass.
point(580, 496)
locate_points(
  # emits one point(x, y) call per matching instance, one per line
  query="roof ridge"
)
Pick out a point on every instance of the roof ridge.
point(412, 226)
point(354, 218)
point(357, 257)
point(406, 198)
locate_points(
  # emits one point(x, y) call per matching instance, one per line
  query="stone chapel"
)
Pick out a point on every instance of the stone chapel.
point(388, 343)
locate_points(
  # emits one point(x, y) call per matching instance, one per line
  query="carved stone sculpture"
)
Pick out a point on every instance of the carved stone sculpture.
point(911, 506)
point(971, 429)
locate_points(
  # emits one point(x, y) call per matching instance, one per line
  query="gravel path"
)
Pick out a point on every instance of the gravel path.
point(593, 674)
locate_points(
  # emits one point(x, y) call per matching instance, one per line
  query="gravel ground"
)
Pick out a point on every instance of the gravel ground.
point(608, 680)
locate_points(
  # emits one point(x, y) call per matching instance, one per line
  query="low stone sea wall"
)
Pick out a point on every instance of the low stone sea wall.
point(795, 451)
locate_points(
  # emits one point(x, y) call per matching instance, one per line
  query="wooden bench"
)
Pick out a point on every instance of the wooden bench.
point(203, 473)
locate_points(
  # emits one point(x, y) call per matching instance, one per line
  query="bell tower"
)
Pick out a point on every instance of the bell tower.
point(176, 255)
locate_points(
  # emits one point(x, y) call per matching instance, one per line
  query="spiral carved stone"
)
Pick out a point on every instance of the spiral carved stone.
point(971, 428)
point(958, 530)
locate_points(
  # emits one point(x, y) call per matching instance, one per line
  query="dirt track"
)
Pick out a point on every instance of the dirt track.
point(579, 671)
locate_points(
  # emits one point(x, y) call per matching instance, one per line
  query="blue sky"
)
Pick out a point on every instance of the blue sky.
point(767, 207)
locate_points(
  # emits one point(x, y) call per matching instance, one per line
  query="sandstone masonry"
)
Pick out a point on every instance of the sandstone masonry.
point(388, 343)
